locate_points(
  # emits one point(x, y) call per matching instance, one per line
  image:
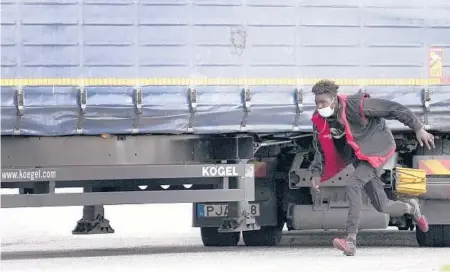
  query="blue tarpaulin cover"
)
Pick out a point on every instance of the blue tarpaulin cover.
point(50, 50)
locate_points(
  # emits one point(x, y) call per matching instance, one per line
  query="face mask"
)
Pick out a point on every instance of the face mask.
point(327, 111)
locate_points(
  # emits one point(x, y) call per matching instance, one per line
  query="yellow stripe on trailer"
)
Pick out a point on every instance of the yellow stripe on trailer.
point(179, 81)
point(435, 167)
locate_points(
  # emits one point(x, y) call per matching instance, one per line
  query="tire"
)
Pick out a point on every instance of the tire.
point(212, 238)
point(266, 236)
point(270, 236)
point(437, 236)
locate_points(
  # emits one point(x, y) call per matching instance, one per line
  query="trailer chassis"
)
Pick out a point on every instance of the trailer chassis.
point(113, 169)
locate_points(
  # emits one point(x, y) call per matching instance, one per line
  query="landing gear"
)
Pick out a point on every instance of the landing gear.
point(93, 222)
point(213, 238)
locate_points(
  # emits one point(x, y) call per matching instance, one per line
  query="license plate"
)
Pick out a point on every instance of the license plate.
point(221, 210)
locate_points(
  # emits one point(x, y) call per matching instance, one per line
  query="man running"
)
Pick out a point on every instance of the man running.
point(352, 130)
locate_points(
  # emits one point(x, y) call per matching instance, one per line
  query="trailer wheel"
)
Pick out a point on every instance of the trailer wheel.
point(212, 238)
point(437, 236)
point(266, 236)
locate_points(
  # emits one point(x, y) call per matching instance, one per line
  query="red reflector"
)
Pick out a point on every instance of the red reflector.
point(260, 169)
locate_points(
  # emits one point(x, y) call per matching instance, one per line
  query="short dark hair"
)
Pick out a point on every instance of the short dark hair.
point(325, 86)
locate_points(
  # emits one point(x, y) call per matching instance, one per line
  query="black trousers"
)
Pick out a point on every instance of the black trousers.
point(367, 177)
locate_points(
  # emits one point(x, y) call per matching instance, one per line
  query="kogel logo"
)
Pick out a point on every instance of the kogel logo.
point(219, 171)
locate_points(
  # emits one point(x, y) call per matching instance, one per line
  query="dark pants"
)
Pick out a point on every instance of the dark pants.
point(367, 177)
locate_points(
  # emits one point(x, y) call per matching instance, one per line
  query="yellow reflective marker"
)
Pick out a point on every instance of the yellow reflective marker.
point(445, 268)
point(436, 62)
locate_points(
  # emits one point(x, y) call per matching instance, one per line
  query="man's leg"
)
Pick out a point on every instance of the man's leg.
point(367, 177)
point(363, 173)
point(375, 191)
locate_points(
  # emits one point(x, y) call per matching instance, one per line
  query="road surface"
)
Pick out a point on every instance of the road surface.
point(40, 240)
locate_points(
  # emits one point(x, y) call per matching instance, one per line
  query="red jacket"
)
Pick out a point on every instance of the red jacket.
point(365, 129)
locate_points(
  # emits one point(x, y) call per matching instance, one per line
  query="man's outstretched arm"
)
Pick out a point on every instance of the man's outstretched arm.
point(377, 107)
point(382, 108)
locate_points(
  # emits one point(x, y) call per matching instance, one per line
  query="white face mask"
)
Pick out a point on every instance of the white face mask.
point(327, 111)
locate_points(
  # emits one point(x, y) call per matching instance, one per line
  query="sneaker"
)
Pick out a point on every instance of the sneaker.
point(346, 245)
point(420, 220)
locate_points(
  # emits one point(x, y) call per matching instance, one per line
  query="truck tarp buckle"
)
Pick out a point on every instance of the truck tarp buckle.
point(246, 101)
point(137, 101)
point(192, 95)
point(426, 103)
point(362, 90)
point(82, 103)
point(298, 98)
point(20, 102)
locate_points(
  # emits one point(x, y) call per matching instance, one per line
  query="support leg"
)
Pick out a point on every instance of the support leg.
point(93, 221)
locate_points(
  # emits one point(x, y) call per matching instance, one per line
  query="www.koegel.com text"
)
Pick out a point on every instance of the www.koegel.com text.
point(35, 174)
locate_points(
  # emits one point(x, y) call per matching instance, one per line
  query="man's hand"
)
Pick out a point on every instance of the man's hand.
point(315, 181)
point(425, 138)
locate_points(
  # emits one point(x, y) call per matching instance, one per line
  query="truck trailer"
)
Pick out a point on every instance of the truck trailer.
point(209, 102)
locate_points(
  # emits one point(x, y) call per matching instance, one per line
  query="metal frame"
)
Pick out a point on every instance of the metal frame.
point(437, 211)
point(124, 172)
point(244, 192)
point(120, 198)
point(123, 150)
point(110, 169)
point(438, 188)
point(301, 178)
point(265, 197)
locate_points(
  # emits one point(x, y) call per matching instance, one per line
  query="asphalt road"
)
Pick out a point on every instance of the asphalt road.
point(308, 251)
point(39, 239)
